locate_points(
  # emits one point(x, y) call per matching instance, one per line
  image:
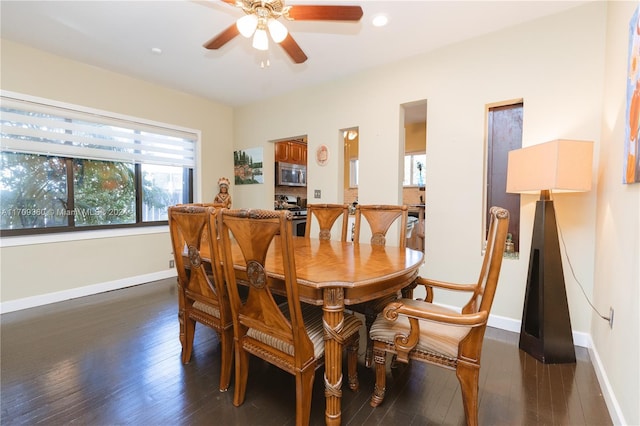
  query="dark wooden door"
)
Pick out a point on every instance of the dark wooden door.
point(504, 135)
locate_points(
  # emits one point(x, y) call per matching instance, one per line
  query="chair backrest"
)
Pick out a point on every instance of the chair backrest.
point(470, 347)
point(326, 216)
point(190, 235)
point(380, 219)
point(482, 297)
point(254, 232)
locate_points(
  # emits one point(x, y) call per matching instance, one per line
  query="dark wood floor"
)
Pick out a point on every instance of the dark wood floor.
point(114, 359)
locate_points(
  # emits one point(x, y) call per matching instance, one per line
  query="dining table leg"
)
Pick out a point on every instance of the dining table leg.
point(333, 315)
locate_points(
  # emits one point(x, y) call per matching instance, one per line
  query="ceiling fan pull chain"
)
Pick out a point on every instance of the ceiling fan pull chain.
point(264, 59)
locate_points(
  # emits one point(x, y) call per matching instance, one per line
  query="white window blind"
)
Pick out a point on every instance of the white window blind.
point(34, 127)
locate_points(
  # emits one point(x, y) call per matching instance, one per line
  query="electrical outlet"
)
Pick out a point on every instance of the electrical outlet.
point(317, 193)
point(610, 317)
point(172, 263)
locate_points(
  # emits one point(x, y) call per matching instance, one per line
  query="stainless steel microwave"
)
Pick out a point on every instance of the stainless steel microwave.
point(288, 174)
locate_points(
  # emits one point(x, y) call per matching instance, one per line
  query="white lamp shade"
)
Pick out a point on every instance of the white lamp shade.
point(277, 30)
point(559, 166)
point(261, 40)
point(247, 25)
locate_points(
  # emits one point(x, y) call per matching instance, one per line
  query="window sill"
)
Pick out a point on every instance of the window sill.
point(80, 235)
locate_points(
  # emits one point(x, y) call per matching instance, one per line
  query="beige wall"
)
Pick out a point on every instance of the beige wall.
point(50, 268)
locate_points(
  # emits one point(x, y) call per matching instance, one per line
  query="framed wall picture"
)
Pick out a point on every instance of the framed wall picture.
point(247, 166)
point(322, 155)
point(631, 168)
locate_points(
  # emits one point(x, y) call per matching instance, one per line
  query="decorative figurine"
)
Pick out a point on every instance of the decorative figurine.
point(223, 196)
point(509, 247)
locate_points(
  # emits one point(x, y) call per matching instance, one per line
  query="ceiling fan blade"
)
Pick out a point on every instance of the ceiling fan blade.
point(324, 13)
point(293, 49)
point(223, 38)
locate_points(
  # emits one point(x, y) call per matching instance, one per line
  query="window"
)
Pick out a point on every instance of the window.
point(353, 173)
point(414, 169)
point(66, 169)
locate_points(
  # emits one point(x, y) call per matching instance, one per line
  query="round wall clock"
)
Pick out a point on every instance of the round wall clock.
point(322, 155)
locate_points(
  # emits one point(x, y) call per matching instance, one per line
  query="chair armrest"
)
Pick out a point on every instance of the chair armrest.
point(430, 284)
point(445, 285)
point(414, 311)
point(420, 310)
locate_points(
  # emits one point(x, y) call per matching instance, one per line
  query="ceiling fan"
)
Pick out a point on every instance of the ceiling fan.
point(262, 16)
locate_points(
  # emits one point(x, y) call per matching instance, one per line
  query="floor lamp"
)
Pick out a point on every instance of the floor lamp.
point(556, 166)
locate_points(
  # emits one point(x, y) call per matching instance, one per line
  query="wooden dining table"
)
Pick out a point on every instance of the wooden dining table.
point(334, 275)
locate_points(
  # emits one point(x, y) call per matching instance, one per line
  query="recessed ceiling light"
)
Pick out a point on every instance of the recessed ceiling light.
point(156, 50)
point(380, 20)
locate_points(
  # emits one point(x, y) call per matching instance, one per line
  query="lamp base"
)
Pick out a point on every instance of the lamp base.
point(545, 332)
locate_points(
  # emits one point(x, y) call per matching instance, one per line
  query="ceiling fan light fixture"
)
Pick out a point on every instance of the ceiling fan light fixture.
point(277, 30)
point(247, 25)
point(261, 40)
point(261, 23)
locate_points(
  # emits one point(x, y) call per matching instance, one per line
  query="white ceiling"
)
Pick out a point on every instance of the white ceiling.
point(119, 36)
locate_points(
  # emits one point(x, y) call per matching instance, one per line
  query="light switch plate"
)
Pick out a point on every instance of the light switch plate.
point(317, 193)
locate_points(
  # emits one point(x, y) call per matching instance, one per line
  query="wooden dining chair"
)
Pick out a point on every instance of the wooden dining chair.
point(289, 335)
point(326, 215)
point(422, 331)
point(202, 294)
point(380, 218)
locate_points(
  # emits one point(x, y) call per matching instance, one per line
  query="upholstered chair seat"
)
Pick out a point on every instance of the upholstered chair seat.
point(439, 339)
point(207, 309)
point(312, 316)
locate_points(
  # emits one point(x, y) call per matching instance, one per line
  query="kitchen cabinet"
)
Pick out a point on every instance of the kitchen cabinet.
point(282, 152)
point(298, 153)
point(291, 152)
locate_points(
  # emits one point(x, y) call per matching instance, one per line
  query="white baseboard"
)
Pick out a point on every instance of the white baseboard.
point(580, 338)
point(617, 417)
point(59, 296)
